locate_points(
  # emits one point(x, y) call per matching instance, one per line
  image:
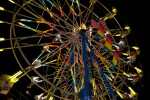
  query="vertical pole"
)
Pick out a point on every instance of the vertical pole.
point(85, 65)
point(101, 71)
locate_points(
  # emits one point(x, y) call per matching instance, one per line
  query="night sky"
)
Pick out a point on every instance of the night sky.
point(134, 12)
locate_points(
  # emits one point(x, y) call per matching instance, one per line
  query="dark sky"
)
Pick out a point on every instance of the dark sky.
point(134, 12)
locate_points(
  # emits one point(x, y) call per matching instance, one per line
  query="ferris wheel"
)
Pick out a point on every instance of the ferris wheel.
point(73, 50)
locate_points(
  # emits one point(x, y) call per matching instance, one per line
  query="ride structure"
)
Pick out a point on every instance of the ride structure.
point(73, 50)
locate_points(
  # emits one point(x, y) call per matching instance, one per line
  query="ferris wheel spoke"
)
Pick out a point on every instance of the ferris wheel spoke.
point(64, 69)
point(44, 19)
point(25, 16)
point(44, 22)
point(73, 13)
point(88, 13)
point(54, 14)
point(54, 51)
point(101, 82)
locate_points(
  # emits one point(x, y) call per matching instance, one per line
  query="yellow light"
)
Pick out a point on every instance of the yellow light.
point(2, 8)
point(135, 47)
point(2, 39)
point(16, 75)
point(51, 98)
point(94, 86)
point(133, 93)
point(127, 28)
point(126, 54)
point(1, 50)
point(51, 15)
point(105, 18)
point(11, 1)
point(118, 35)
point(119, 94)
point(14, 80)
point(114, 10)
point(126, 74)
point(1, 21)
point(138, 70)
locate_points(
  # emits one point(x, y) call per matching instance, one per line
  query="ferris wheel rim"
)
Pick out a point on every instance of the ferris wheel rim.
point(12, 28)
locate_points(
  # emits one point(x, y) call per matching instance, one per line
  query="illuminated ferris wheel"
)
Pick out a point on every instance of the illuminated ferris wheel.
point(72, 49)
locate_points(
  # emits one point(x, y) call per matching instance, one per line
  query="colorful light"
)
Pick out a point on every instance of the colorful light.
point(83, 26)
